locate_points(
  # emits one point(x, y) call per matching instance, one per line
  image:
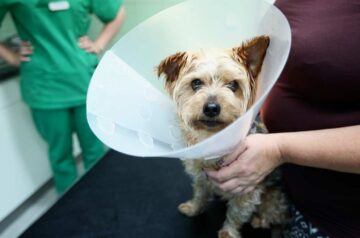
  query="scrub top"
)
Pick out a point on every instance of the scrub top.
point(59, 72)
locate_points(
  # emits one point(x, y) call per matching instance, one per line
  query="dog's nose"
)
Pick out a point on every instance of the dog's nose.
point(211, 109)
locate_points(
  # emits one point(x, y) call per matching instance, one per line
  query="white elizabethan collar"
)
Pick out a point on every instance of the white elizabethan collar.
point(127, 107)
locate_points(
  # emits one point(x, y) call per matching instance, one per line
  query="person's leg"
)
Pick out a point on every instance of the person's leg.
point(55, 126)
point(91, 146)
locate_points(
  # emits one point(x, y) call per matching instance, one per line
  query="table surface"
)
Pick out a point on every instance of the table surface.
point(129, 197)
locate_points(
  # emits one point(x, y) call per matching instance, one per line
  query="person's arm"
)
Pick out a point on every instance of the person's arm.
point(10, 57)
point(108, 32)
point(14, 58)
point(334, 149)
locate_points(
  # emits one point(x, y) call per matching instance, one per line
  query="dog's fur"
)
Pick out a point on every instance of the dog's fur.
point(211, 89)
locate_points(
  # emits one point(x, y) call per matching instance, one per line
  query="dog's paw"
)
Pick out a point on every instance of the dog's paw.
point(188, 209)
point(228, 233)
point(258, 222)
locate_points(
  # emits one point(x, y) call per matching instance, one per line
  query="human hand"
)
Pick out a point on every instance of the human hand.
point(15, 58)
point(249, 164)
point(26, 50)
point(89, 46)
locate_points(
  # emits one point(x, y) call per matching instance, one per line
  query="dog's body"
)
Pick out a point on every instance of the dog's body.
point(212, 89)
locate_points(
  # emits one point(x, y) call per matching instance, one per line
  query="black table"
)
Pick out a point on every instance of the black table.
point(127, 197)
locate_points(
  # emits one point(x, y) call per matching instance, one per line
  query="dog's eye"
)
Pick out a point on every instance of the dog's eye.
point(233, 86)
point(196, 84)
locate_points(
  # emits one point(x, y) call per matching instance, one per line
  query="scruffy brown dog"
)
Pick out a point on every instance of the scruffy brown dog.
point(211, 89)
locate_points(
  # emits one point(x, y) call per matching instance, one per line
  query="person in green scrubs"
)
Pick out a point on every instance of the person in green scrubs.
point(57, 61)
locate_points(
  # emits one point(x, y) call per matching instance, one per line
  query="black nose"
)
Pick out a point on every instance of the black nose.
point(211, 109)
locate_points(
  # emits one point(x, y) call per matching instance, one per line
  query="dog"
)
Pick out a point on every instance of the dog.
point(211, 89)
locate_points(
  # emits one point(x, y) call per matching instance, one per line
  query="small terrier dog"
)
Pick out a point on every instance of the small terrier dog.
point(211, 89)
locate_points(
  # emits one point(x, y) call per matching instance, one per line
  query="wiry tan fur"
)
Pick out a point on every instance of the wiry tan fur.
point(217, 69)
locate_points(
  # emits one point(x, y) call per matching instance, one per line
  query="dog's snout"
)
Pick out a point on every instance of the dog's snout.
point(211, 109)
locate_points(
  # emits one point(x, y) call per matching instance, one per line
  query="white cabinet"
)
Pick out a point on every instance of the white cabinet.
point(24, 166)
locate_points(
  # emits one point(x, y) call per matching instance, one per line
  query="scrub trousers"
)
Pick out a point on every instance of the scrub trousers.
point(57, 127)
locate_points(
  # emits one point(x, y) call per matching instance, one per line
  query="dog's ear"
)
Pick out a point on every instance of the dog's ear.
point(252, 53)
point(170, 67)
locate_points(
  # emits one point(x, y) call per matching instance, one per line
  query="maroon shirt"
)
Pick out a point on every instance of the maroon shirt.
point(320, 88)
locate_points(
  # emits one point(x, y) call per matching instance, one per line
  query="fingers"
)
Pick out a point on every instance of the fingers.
point(248, 165)
point(26, 49)
point(222, 175)
point(84, 42)
point(234, 185)
point(227, 172)
point(242, 190)
point(248, 190)
point(233, 170)
point(25, 58)
point(234, 155)
point(88, 45)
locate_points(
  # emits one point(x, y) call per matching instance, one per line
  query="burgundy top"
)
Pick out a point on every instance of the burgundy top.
point(320, 88)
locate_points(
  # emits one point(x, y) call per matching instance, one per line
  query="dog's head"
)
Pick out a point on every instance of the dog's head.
point(212, 88)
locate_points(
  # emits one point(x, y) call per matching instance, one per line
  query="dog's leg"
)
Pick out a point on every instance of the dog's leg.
point(200, 198)
point(201, 189)
point(273, 209)
point(239, 211)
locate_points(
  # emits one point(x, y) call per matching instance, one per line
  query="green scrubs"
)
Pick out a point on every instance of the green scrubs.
point(59, 138)
point(54, 83)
